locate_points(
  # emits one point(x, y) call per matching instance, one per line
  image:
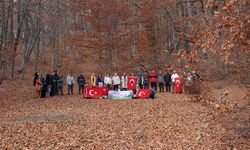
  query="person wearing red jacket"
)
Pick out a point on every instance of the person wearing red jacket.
point(153, 80)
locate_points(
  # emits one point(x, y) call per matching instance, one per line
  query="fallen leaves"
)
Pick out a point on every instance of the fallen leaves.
point(172, 121)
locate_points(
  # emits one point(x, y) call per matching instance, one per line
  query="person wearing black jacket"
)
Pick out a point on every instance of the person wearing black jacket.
point(44, 88)
point(167, 79)
point(49, 84)
point(81, 82)
point(54, 78)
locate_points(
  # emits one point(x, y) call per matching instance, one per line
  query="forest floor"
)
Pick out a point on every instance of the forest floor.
point(218, 118)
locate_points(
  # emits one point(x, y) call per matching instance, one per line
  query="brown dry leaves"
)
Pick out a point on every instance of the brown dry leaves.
point(170, 122)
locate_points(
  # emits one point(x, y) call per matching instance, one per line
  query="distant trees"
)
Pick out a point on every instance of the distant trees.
point(135, 32)
point(28, 25)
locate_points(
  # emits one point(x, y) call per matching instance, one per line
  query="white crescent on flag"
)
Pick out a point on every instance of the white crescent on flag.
point(177, 81)
point(91, 93)
point(132, 81)
point(142, 93)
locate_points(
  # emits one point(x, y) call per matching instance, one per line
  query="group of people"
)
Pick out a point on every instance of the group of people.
point(52, 84)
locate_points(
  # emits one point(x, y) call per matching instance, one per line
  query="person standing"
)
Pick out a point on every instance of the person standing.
point(49, 84)
point(145, 81)
point(153, 80)
point(55, 78)
point(167, 79)
point(116, 82)
point(60, 85)
point(188, 83)
point(100, 81)
point(70, 82)
point(141, 81)
point(107, 81)
point(173, 77)
point(44, 87)
point(38, 85)
point(81, 83)
point(124, 82)
point(93, 80)
point(161, 82)
point(52, 92)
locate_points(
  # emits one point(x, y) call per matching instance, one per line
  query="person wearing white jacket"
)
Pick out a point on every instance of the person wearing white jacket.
point(116, 81)
point(124, 82)
point(173, 77)
point(107, 81)
point(70, 82)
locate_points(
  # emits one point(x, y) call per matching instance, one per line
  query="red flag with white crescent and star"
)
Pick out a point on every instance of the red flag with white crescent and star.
point(132, 82)
point(143, 93)
point(93, 92)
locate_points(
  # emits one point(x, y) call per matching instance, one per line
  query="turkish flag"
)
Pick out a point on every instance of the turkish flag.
point(105, 91)
point(178, 85)
point(132, 82)
point(95, 92)
point(143, 94)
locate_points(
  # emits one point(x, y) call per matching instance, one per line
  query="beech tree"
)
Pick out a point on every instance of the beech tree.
point(152, 34)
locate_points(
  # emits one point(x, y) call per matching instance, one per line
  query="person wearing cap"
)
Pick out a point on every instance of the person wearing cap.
point(70, 82)
point(173, 77)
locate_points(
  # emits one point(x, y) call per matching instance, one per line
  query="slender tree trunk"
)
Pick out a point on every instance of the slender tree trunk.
point(20, 19)
point(27, 52)
point(36, 50)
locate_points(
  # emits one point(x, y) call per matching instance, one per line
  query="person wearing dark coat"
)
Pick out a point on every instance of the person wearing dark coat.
point(167, 79)
point(44, 87)
point(55, 78)
point(49, 84)
point(100, 81)
point(81, 83)
point(60, 85)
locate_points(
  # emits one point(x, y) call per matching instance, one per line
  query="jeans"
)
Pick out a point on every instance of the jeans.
point(116, 87)
point(154, 85)
point(70, 89)
point(81, 89)
point(173, 87)
point(48, 90)
point(60, 90)
point(161, 87)
point(168, 86)
point(146, 86)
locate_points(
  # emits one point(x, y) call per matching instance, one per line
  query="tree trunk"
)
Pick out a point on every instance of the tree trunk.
point(36, 50)
point(20, 19)
point(27, 52)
